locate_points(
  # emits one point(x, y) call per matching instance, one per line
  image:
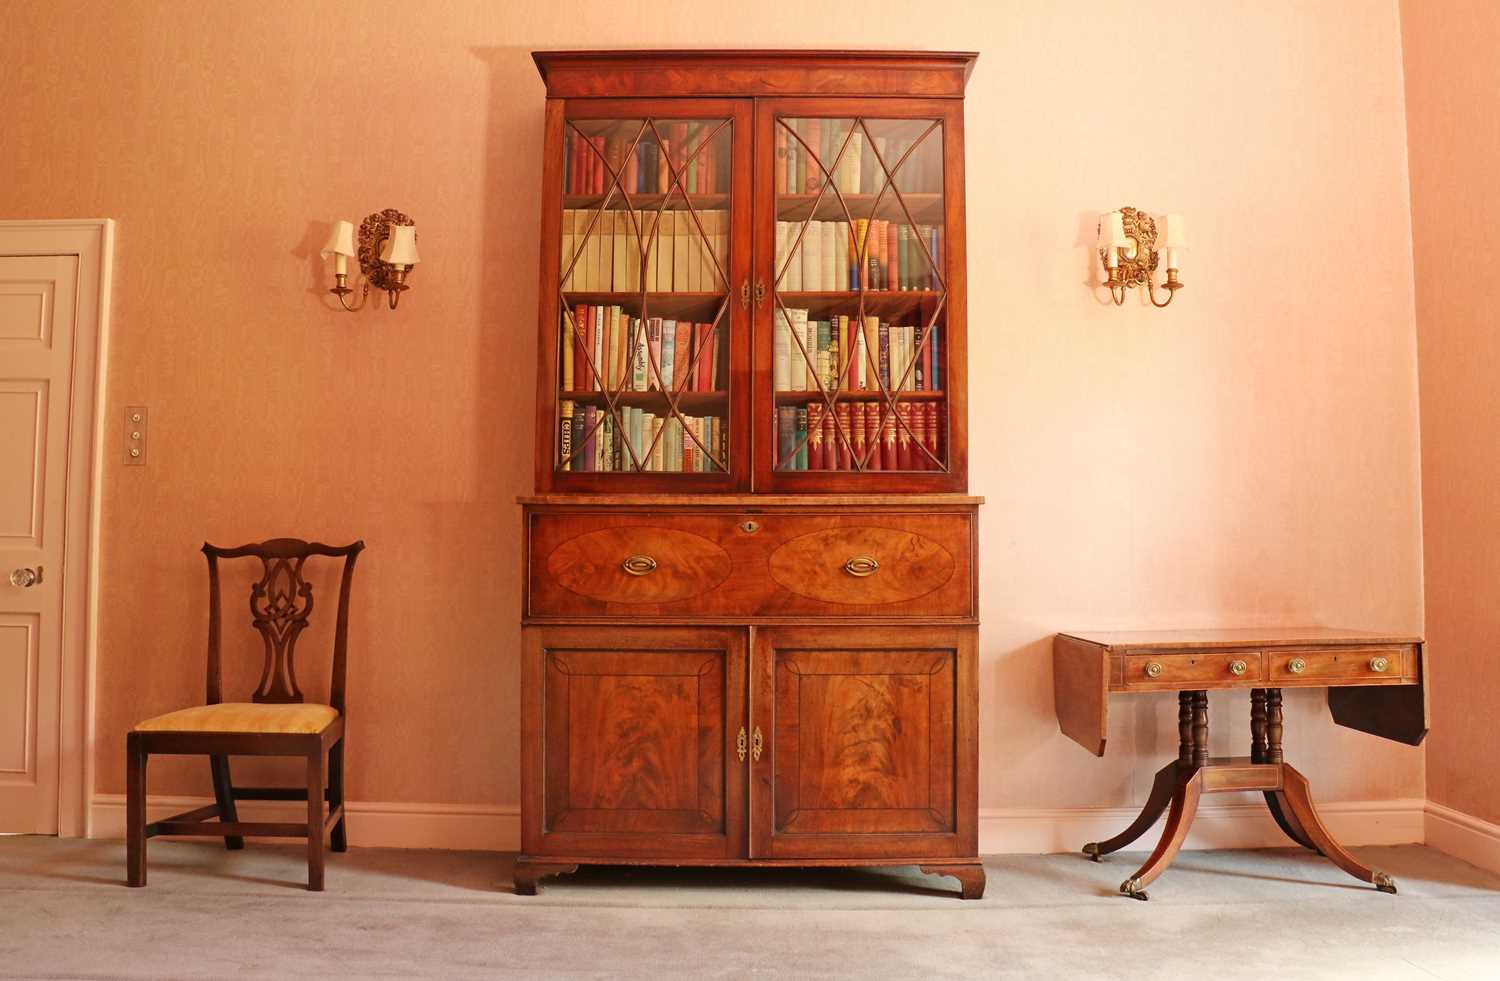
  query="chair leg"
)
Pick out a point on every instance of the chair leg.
point(224, 795)
point(340, 837)
point(315, 820)
point(135, 812)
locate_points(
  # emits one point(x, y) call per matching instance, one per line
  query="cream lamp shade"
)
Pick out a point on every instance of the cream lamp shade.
point(401, 247)
point(341, 241)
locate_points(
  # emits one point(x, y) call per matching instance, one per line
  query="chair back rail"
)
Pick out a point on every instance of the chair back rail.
point(281, 602)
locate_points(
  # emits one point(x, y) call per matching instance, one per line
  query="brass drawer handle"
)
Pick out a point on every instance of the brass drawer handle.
point(739, 744)
point(756, 743)
point(1154, 669)
point(639, 565)
point(861, 566)
point(1237, 667)
point(1296, 665)
point(1378, 664)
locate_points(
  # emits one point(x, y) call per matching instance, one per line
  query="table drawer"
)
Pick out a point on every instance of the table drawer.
point(1207, 669)
point(1368, 665)
point(732, 564)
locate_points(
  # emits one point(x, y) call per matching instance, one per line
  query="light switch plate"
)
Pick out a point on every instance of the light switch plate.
point(135, 435)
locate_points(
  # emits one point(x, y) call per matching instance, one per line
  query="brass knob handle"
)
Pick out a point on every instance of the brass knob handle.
point(25, 578)
point(1154, 669)
point(861, 566)
point(1296, 665)
point(1237, 667)
point(756, 743)
point(639, 565)
point(739, 744)
point(1378, 664)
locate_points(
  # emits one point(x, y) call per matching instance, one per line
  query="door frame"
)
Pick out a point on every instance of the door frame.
point(92, 241)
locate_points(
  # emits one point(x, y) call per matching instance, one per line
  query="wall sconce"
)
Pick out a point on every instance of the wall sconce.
point(1127, 247)
point(387, 251)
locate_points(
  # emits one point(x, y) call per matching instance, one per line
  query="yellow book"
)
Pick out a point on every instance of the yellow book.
point(567, 246)
point(567, 344)
point(681, 230)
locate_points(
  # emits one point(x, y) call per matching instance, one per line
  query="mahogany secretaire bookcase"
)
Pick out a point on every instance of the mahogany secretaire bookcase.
point(751, 603)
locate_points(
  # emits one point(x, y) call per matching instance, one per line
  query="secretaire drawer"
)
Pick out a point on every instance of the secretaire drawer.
point(1367, 665)
point(1209, 669)
point(749, 564)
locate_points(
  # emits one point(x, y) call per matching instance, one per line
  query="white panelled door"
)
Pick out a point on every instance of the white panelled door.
point(38, 296)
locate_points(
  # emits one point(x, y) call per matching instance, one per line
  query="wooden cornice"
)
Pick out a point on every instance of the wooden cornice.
point(710, 73)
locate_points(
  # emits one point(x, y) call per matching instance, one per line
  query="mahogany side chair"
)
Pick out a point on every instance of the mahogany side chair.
point(275, 722)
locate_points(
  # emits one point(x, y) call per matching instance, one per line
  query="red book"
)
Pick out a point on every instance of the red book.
point(933, 415)
point(682, 354)
point(600, 177)
point(831, 442)
point(815, 442)
point(813, 134)
point(703, 369)
point(715, 382)
point(888, 451)
point(633, 171)
point(857, 431)
point(583, 378)
point(893, 251)
point(903, 438)
point(846, 457)
point(876, 459)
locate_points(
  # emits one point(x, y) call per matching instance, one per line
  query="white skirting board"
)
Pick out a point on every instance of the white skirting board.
point(1463, 836)
point(1234, 824)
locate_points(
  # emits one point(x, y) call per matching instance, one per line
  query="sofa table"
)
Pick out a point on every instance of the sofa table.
point(1375, 682)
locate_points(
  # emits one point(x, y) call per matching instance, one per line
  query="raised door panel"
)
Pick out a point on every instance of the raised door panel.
point(630, 742)
point(868, 743)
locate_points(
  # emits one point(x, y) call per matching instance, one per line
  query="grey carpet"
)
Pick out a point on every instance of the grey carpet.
point(64, 912)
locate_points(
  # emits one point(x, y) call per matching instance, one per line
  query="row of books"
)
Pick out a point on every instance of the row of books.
point(604, 249)
point(842, 354)
point(666, 444)
point(809, 437)
point(828, 257)
point(804, 165)
point(637, 356)
point(588, 161)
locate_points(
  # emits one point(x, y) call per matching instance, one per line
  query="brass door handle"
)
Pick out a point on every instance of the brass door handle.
point(1237, 667)
point(1379, 664)
point(739, 744)
point(639, 565)
point(26, 578)
point(756, 743)
point(1296, 665)
point(862, 565)
point(1154, 669)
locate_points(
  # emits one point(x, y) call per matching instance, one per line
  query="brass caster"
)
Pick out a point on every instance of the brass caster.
point(1132, 888)
point(1384, 883)
point(1092, 851)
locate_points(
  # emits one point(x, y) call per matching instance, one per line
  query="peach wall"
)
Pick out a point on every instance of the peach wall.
point(1248, 456)
point(1452, 88)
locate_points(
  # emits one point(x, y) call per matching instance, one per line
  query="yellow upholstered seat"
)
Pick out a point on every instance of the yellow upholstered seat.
point(244, 717)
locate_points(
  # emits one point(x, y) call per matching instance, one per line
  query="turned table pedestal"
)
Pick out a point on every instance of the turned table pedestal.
point(1374, 682)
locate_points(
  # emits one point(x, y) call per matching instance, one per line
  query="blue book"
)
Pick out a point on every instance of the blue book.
point(668, 352)
point(933, 382)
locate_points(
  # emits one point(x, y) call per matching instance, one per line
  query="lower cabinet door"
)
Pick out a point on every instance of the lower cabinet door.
point(867, 740)
point(630, 742)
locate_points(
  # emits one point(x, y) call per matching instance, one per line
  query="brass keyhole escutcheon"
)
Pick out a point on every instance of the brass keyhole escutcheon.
point(739, 744)
point(750, 527)
point(639, 565)
point(1237, 667)
point(862, 565)
point(1379, 664)
point(1296, 665)
point(756, 744)
point(1154, 669)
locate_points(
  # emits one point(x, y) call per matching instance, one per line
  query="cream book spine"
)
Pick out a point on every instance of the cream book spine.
point(782, 353)
point(812, 260)
point(797, 370)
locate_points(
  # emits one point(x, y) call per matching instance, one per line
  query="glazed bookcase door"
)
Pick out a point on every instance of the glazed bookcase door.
point(861, 731)
point(860, 309)
point(640, 735)
point(645, 318)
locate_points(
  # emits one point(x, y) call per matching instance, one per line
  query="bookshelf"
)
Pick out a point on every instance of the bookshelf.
point(751, 467)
